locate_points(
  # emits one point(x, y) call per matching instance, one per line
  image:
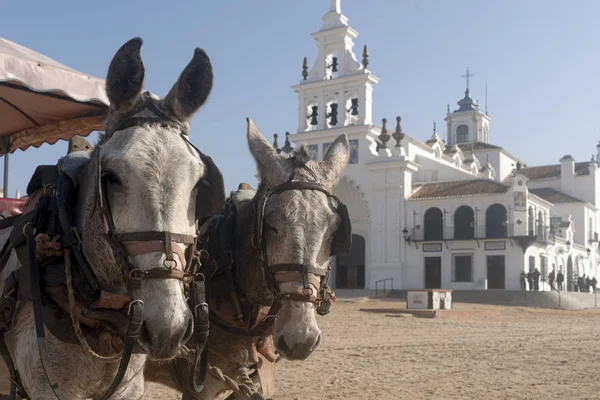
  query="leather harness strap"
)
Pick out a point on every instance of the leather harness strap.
point(136, 248)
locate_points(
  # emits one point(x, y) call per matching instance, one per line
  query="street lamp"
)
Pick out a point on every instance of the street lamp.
point(406, 236)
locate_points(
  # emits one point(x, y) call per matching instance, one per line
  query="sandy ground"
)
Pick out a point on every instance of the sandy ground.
point(371, 351)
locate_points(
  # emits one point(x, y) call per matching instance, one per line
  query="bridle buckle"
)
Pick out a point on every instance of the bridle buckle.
point(139, 302)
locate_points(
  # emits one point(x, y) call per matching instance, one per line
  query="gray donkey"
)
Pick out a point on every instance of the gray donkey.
point(281, 239)
point(139, 195)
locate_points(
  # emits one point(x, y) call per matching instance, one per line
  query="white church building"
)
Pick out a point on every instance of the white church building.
point(459, 213)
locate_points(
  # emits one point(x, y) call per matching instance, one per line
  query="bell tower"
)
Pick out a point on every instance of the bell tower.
point(337, 90)
point(467, 124)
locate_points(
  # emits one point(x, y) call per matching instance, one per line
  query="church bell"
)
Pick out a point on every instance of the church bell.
point(313, 115)
point(334, 64)
point(354, 107)
point(333, 114)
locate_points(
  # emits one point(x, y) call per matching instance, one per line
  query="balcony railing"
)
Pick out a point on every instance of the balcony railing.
point(542, 234)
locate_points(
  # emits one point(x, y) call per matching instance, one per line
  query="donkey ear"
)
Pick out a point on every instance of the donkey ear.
point(126, 73)
point(267, 159)
point(192, 88)
point(337, 158)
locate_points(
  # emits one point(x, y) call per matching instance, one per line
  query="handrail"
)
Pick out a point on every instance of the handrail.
point(384, 285)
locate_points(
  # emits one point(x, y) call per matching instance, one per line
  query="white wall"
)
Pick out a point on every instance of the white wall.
point(553, 183)
point(578, 215)
point(444, 171)
point(585, 188)
point(505, 165)
point(513, 261)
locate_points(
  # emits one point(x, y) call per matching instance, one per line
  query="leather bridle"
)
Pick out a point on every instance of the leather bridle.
point(135, 243)
point(312, 278)
point(126, 244)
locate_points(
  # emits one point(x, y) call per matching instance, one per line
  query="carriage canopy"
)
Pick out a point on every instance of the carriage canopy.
point(43, 101)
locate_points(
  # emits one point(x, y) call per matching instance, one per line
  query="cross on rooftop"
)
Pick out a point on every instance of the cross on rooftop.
point(467, 76)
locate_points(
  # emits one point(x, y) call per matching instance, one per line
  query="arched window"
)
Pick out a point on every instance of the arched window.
point(462, 134)
point(434, 224)
point(485, 134)
point(496, 221)
point(531, 222)
point(464, 223)
point(540, 225)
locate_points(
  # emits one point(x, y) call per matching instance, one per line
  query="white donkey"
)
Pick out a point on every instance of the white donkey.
point(137, 203)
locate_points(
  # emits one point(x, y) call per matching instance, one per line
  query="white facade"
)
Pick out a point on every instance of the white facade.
point(455, 214)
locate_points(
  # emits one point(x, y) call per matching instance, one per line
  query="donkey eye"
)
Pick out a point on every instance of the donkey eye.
point(111, 177)
point(271, 228)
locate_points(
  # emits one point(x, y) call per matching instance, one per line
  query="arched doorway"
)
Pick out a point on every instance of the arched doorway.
point(434, 224)
point(570, 274)
point(496, 221)
point(350, 268)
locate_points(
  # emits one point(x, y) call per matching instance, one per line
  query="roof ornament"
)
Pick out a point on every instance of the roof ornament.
point(365, 55)
point(275, 143)
point(398, 135)
point(434, 136)
point(518, 167)
point(287, 148)
point(384, 136)
point(454, 144)
point(305, 68)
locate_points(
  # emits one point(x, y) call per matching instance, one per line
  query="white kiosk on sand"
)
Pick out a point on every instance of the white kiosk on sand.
point(429, 299)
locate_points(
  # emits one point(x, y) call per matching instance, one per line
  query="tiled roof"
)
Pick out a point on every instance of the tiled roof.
point(478, 187)
point(478, 146)
point(554, 196)
point(553, 171)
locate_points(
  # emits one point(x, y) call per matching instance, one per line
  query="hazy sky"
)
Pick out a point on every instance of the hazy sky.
point(540, 58)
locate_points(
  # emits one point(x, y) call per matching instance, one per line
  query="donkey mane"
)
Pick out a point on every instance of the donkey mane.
point(293, 164)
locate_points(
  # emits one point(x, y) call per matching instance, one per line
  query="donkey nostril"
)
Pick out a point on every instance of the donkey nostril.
point(189, 331)
point(317, 343)
point(282, 345)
